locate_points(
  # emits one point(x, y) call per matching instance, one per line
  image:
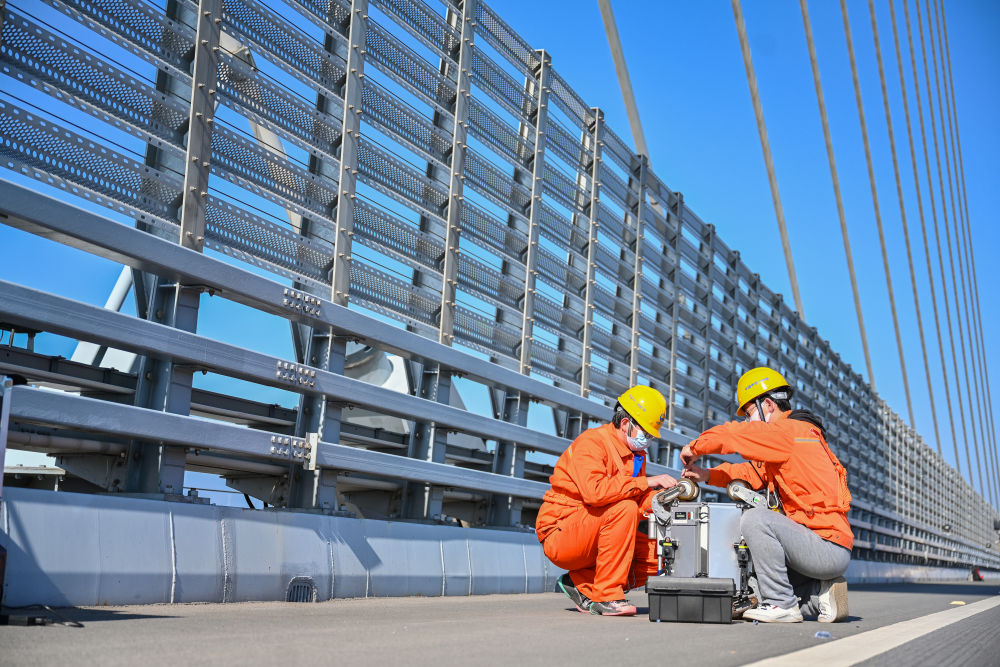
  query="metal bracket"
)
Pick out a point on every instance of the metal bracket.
point(6, 384)
point(302, 302)
point(288, 446)
point(312, 447)
point(295, 374)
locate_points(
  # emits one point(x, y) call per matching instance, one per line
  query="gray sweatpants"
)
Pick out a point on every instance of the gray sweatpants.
point(778, 544)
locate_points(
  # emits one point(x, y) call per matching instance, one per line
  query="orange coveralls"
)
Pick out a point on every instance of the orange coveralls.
point(587, 522)
point(791, 457)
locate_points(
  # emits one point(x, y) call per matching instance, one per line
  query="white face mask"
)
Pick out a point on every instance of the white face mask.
point(757, 416)
point(639, 443)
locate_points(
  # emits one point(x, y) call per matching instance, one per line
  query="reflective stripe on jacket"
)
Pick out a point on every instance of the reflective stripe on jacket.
point(791, 457)
point(595, 470)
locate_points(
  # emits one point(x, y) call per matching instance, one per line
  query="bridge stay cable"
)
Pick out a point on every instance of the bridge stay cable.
point(835, 179)
point(772, 177)
point(920, 203)
point(625, 83)
point(875, 204)
point(968, 356)
point(971, 249)
point(903, 220)
point(955, 256)
point(972, 316)
point(944, 214)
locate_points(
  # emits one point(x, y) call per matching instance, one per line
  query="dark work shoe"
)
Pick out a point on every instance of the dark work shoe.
point(581, 601)
point(612, 608)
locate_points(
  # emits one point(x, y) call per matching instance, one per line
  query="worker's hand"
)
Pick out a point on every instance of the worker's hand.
point(696, 473)
point(661, 481)
point(687, 456)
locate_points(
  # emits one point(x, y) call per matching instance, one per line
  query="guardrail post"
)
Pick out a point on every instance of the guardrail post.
point(164, 385)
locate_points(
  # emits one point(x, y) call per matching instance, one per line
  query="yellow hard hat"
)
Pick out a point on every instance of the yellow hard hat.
point(646, 407)
point(755, 383)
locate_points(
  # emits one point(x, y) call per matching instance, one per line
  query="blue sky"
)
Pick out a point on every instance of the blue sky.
point(691, 90)
point(690, 85)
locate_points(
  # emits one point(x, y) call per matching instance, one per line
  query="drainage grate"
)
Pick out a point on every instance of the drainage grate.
point(301, 589)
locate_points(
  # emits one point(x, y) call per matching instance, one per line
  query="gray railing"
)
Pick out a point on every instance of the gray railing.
point(416, 178)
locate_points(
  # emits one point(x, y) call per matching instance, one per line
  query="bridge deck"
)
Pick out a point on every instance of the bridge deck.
point(514, 629)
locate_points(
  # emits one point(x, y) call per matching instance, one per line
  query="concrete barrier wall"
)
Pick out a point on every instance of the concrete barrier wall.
point(872, 572)
point(76, 549)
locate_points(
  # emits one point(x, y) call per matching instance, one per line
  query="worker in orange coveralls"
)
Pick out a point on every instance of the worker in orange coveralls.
point(589, 520)
point(801, 551)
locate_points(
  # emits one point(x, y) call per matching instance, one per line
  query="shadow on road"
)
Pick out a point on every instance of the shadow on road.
point(76, 614)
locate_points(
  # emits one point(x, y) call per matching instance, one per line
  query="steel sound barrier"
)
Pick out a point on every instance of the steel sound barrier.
point(416, 163)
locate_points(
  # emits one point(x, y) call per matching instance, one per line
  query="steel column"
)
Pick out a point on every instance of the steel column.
point(708, 239)
point(592, 212)
point(317, 489)
point(428, 442)
point(165, 385)
point(640, 168)
point(677, 210)
point(510, 406)
point(457, 177)
point(509, 457)
point(541, 86)
point(6, 393)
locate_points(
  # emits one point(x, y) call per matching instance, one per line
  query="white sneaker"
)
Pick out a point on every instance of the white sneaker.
point(769, 613)
point(833, 600)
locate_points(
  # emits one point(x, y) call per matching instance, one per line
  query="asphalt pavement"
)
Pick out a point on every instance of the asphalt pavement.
point(540, 629)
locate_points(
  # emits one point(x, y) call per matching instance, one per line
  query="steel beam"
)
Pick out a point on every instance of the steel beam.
point(76, 227)
point(79, 320)
point(33, 405)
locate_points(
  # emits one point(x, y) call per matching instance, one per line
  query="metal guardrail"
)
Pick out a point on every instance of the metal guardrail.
point(430, 186)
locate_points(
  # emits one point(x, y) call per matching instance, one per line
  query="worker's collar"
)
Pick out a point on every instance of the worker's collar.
point(775, 417)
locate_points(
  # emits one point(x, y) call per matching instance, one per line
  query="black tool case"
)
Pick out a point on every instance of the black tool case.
point(691, 599)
